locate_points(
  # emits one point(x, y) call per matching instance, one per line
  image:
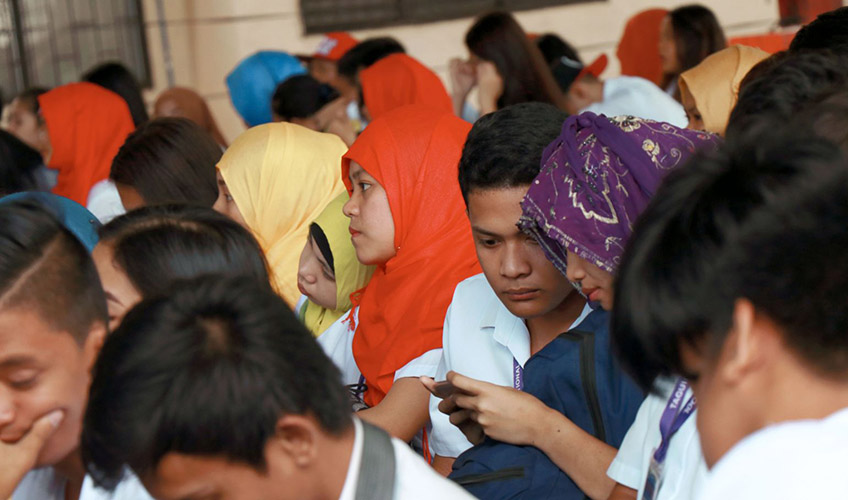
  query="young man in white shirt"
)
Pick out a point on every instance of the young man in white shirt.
point(744, 254)
point(52, 323)
point(218, 391)
point(521, 302)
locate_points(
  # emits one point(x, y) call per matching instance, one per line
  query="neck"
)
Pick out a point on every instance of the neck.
point(543, 329)
point(813, 397)
point(335, 461)
point(72, 470)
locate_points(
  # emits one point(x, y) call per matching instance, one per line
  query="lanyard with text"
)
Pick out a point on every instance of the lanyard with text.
point(676, 413)
point(517, 375)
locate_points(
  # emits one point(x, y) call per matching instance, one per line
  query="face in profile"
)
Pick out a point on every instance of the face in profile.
point(372, 229)
point(323, 70)
point(225, 204)
point(121, 294)
point(515, 266)
point(315, 277)
point(668, 48)
point(595, 283)
point(43, 370)
point(24, 124)
point(696, 121)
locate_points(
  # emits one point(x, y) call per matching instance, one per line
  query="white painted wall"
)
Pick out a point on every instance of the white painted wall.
point(209, 37)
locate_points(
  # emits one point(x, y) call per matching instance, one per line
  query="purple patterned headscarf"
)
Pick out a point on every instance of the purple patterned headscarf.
point(596, 179)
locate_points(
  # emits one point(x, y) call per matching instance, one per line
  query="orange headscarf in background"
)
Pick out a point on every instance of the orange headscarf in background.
point(399, 80)
point(413, 152)
point(87, 124)
point(186, 103)
point(637, 49)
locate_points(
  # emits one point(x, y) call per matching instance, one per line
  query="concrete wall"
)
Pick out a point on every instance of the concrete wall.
point(209, 37)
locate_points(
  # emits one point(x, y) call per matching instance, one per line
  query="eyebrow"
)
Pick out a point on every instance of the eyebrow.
point(484, 232)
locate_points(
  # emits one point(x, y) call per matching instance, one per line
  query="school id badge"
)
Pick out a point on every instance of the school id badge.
point(654, 479)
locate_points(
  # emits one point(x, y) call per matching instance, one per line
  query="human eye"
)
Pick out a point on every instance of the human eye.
point(364, 186)
point(487, 242)
point(23, 379)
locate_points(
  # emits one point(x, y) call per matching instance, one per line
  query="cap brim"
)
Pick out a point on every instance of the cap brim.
point(596, 67)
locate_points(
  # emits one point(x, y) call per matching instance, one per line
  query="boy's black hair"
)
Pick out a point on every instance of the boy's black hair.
point(827, 117)
point(301, 96)
point(207, 370)
point(44, 268)
point(762, 219)
point(19, 166)
point(116, 77)
point(158, 245)
point(504, 148)
point(366, 53)
point(782, 90)
point(169, 160)
point(828, 31)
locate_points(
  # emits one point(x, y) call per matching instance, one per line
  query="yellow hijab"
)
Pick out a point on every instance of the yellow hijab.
point(351, 275)
point(714, 84)
point(281, 176)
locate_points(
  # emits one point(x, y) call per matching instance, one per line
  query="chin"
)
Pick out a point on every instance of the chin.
point(55, 451)
point(526, 309)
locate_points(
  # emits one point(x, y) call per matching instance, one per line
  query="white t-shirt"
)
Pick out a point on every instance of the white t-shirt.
point(46, 484)
point(104, 201)
point(631, 95)
point(805, 459)
point(480, 340)
point(414, 478)
point(684, 470)
point(337, 342)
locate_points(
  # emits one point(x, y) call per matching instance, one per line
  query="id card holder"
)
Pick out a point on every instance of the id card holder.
point(654, 479)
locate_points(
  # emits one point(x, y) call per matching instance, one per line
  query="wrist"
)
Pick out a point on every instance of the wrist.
point(550, 427)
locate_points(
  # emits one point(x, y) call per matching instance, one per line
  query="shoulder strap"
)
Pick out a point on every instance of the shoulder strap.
point(377, 471)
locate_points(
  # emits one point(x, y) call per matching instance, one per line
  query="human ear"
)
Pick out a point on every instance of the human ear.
point(94, 342)
point(746, 344)
point(296, 436)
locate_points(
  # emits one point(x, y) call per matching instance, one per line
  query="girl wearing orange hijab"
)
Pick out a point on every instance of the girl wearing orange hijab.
point(86, 125)
point(399, 80)
point(407, 217)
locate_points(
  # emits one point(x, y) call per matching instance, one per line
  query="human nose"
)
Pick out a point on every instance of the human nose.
point(351, 207)
point(574, 270)
point(514, 263)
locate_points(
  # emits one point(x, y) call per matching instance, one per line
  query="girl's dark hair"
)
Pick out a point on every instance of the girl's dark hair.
point(498, 38)
point(157, 246)
point(697, 34)
point(169, 160)
point(116, 77)
point(301, 96)
point(317, 234)
point(19, 166)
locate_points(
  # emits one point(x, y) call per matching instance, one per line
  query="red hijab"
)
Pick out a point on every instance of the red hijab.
point(399, 80)
point(87, 124)
point(637, 50)
point(413, 152)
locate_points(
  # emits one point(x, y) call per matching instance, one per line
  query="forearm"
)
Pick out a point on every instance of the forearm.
point(621, 492)
point(443, 465)
point(458, 99)
point(403, 412)
point(579, 454)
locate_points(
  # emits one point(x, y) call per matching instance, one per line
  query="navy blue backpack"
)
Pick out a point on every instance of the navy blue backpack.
point(577, 375)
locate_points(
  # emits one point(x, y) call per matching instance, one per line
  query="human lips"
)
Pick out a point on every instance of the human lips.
point(522, 294)
point(593, 294)
point(353, 232)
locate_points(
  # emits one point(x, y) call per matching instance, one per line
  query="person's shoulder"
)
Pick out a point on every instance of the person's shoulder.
point(474, 288)
point(415, 479)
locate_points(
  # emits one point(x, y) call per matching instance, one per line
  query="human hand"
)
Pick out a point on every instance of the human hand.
point(462, 77)
point(16, 459)
point(489, 86)
point(479, 408)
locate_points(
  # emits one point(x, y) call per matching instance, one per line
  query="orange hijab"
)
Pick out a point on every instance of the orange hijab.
point(180, 101)
point(637, 50)
point(413, 152)
point(399, 80)
point(87, 124)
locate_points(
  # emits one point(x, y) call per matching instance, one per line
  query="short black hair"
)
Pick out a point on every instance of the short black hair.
point(116, 77)
point(782, 90)
point(301, 96)
point(21, 167)
point(828, 31)
point(554, 49)
point(504, 149)
point(169, 160)
point(157, 245)
point(29, 98)
point(207, 370)
point(827, 117)
point(45, 268)
point(763, 218)
point(366, 53)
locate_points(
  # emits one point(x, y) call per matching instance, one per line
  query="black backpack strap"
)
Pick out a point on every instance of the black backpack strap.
point(377, 467)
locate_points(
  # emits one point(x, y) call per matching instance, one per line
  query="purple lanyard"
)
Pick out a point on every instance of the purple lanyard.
point(673, 417)
point(517, 375)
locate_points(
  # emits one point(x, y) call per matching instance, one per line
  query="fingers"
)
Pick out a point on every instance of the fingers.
point(429, 383)
point(448, 406)
point(41, 430)
point(466, 384)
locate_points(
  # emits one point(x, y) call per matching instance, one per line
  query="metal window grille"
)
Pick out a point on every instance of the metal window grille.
point(320, 16)
point(52, 42)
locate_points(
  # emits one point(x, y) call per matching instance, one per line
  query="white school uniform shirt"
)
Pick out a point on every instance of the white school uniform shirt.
point(337, 342)
point(684, 471)
point(414, 478)
point(805, 459)
point(104, 201)
point(631, 95)
point(480, 340)
point(46, 484)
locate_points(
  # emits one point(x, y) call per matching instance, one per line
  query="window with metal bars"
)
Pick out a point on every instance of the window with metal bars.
point(52, 42)
point(321, 16)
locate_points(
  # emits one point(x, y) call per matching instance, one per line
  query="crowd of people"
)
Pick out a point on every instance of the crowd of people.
point(533, 283)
